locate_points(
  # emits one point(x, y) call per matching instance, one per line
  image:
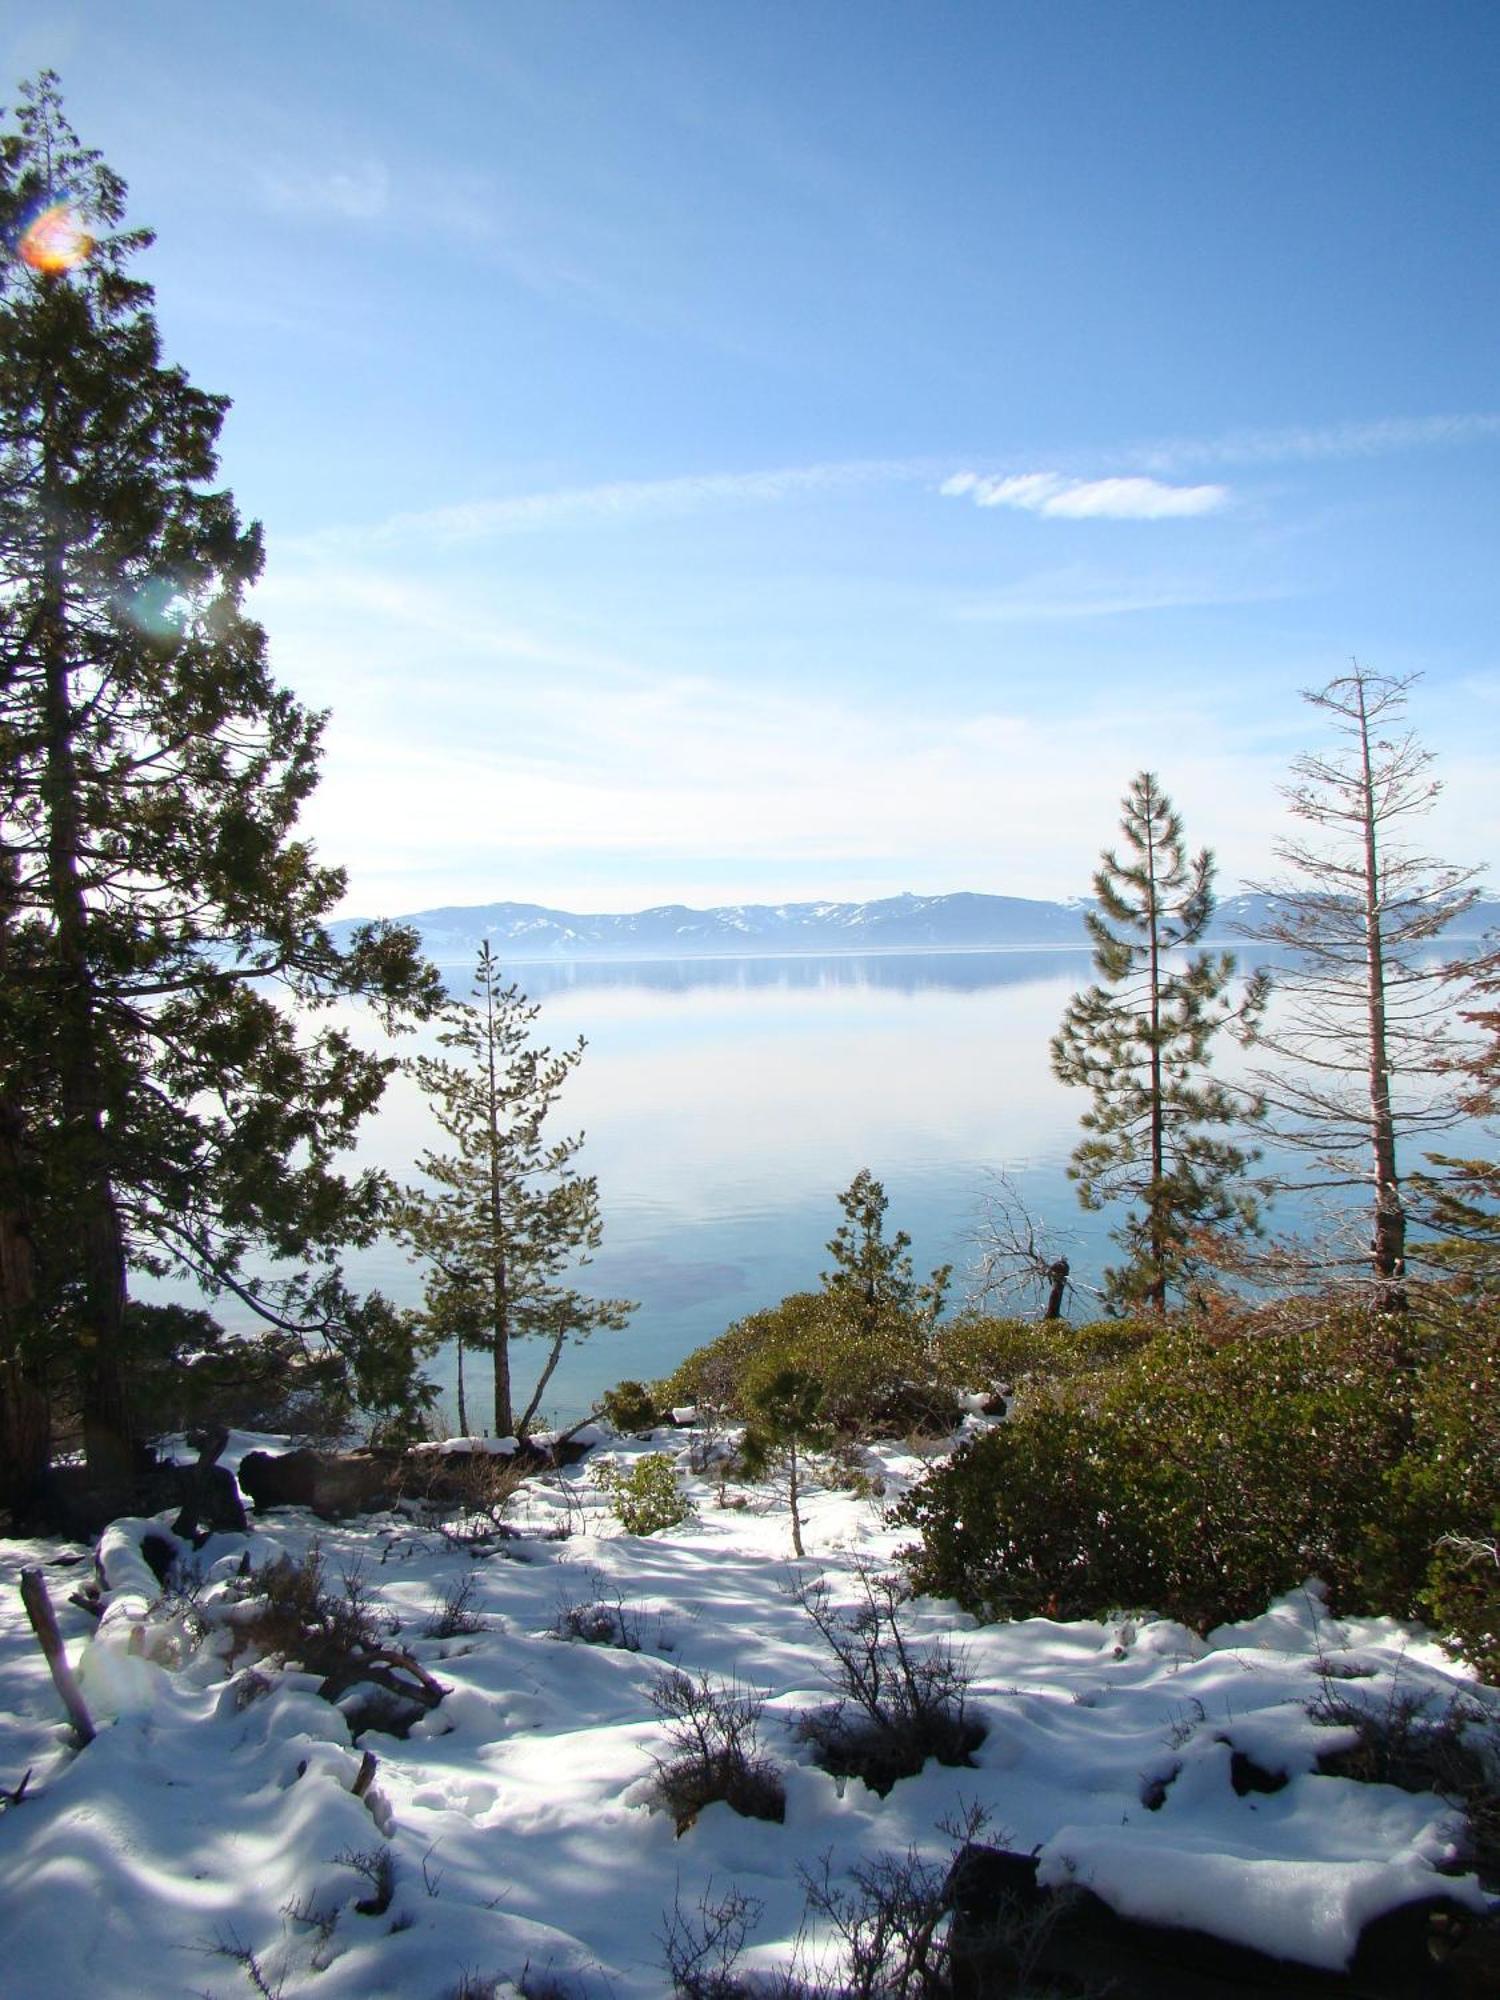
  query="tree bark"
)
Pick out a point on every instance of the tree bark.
point(1057, 1280)
point(25, 1412)
point(1157, 1295)
point(1388, 1240)
point(99, 1236)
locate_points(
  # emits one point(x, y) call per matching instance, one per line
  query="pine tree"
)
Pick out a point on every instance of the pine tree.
point(162, 1072)
point(1459, 1203)
point(507, 1211)
point(786, 1422)
point(1365, 1062)
point(873, 1274)
point(1140, 1042)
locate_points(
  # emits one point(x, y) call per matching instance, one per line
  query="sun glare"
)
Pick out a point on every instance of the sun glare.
point(55, 240)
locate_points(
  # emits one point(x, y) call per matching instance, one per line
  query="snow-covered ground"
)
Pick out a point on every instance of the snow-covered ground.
point(201, 1828)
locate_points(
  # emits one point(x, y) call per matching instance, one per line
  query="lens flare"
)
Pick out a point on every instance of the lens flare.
point(55, 241)
point(157, 610)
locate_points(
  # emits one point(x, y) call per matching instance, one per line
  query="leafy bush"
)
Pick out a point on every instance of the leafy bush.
point(713, 1733)
point(875, 1370)
point(647, 1497)
point(787, 1420)
point(1449, 1486)
point(629, 1407)
point(1036, 1518)
point(865, 1338)
point(1202, 1477)
point(978, 1352)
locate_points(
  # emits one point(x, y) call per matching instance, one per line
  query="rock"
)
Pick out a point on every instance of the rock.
point(1004, 1925)
point(1435, 1946)
point(330, 1483)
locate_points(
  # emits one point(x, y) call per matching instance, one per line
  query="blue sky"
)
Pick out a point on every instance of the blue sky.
point(718, 452)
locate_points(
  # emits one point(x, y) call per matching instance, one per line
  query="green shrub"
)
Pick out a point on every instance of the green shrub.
point(629, 1407)
point(1035, 1518)
point(647, 1497)
point(877, 1371)
point(978, 1352)
point(1201, 1478)
point(1449, 1486)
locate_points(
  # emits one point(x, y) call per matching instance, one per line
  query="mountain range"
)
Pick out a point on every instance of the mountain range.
point(520, 933)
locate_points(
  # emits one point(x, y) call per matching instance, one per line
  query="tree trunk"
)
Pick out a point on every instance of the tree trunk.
point(1156, 1297)
point(95, 1218)
point(25, 1412)
point(1388, 1238)
point(504, 1416)
point(543, 1379)
point(1057, 1280)
point(499, 1276)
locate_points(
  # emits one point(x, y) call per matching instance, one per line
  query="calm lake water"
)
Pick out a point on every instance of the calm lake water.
point(726, 1103)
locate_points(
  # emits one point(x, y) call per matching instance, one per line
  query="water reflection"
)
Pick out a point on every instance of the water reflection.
point(905, 972)
point(726, 1101)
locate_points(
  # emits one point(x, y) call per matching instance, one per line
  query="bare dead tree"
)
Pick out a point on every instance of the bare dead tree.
point(1361, 1046)
point(1018, 1258)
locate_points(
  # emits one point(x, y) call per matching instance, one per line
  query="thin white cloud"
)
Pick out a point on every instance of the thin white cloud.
point(1301, 443)
point(1122, 496)
point(1060, 498)
point(357, 193)
point(622, 501)
point(1070, 595)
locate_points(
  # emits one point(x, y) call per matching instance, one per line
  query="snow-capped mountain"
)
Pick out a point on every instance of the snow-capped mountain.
point(525, 931)
point(521, 933)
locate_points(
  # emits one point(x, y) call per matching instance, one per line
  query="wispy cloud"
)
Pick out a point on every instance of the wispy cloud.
point(1066, 595)
point(626, 500)
point(359, 192)
point(1132, 495)
point(1114, 499)
point(1300, 443)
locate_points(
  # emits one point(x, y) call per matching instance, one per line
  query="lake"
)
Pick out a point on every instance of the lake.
point(726, 1103)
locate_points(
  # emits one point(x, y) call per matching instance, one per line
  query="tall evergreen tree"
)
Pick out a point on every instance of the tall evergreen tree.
point(506, 1213)
point(1364, 1061)
point(1140, 1042)
point(164, 1078)
point(1458, 1202)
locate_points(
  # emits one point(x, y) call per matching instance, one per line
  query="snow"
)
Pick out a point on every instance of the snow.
point(215, 1814)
